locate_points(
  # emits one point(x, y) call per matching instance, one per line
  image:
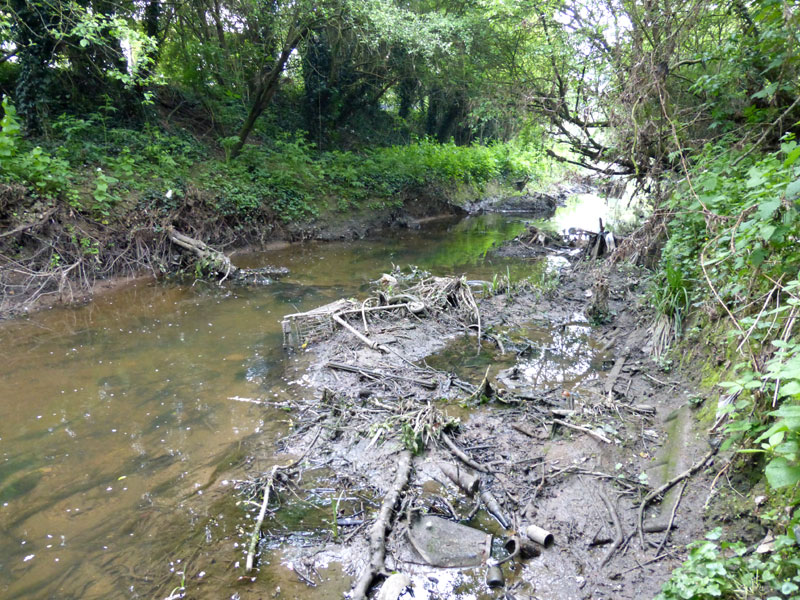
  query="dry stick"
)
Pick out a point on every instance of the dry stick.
point(661, 382)
point(668, 485)
point(46, 215)
point(462, 456)
point(598, 436)
point(358, 334)
point(619, 534)
point(474, 304)
point(254, 537)
point(431, 385)
point(377, 536)
point(523, 430)
point(672, 517)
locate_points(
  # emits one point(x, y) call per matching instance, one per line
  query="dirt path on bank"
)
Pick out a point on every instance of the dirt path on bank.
point(583, 449)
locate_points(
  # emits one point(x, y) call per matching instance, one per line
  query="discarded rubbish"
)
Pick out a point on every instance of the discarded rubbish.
point(539, 535)
point(522, 546)
point(394, 587)
point(495, 577)
point(494, 508)
point(464, 479)
point(442, 543)
point(439, 294)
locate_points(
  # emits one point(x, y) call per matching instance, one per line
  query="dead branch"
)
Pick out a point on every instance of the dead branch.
point(431, 385)
point(254, 537)
point(598, 436)
point(668, 485)
point(377, 536)
point(462, 455)
point(216, 260)
point(619, 535)
point(672, 518)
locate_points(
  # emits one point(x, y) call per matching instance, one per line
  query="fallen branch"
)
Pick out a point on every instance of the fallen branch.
point(256, 535)
point(598, 436)
point(667, 486)
point(377, 536)
point(462, 456)
point(523, 430)
point(619, 535)
point(216, 260)
point(46, 215)
point(358, 334)
point(672, 518)
point(431, 385)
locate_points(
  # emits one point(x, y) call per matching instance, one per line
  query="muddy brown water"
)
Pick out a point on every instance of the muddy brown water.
point(124, 423)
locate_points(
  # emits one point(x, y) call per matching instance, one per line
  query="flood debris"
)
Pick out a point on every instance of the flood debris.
point(443, 543)
point(432, 491)
point(468, 482)
point(495, 577)
point(377, 535)
point(539, 535)
point(394, 586)
point(209, 261)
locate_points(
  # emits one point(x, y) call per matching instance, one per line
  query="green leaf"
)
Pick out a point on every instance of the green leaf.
point(790, 388)
point(792, 157)
point(768, 208)
point(781, 474)
point(793, 189)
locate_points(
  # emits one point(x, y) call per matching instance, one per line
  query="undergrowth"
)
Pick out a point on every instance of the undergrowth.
point(733, 253)
point(98, 168)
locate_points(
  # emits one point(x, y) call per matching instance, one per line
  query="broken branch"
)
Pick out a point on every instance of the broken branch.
point(377, 536)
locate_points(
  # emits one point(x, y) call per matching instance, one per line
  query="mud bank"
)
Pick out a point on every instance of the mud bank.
point(53, 255)
point(567, 424)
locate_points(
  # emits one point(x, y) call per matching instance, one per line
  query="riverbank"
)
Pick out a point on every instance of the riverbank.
point(104, 219)
point(567, 425)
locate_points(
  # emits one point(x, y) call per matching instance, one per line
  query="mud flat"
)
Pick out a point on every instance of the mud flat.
point(496, 406)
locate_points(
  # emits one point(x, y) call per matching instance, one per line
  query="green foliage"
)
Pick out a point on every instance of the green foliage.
point(102, 195)
point(47, 176)
point(669, 293)
point(716, 569)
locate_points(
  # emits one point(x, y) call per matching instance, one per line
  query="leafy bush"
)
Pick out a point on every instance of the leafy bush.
point(47, 176)
point(716, 569)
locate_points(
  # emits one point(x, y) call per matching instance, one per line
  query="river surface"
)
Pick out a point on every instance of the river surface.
point(125, 423)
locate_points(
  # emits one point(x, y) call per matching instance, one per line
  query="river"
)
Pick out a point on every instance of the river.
point(124, 423)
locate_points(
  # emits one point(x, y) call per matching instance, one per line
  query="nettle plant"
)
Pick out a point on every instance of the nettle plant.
point(778, 384)
point(720, 569)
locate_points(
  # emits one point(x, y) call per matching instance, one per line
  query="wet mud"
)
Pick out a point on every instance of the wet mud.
point(576, 427)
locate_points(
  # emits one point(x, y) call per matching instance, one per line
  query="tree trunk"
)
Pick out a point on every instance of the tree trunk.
point(267, 86)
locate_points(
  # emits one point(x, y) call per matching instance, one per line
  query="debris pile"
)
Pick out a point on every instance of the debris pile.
point(527, 486)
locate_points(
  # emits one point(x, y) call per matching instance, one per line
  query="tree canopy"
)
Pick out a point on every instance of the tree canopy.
point(631, 87)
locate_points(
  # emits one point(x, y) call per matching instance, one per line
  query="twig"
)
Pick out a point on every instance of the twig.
point(598, 436)
point(42, 219)
point(377, 536)
point(662, 382)
point(619, 534)
point(431, 385)
point(462, 456)
point(668, 485)
point(254, 537)
point(523, 430)
point(672, 517)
